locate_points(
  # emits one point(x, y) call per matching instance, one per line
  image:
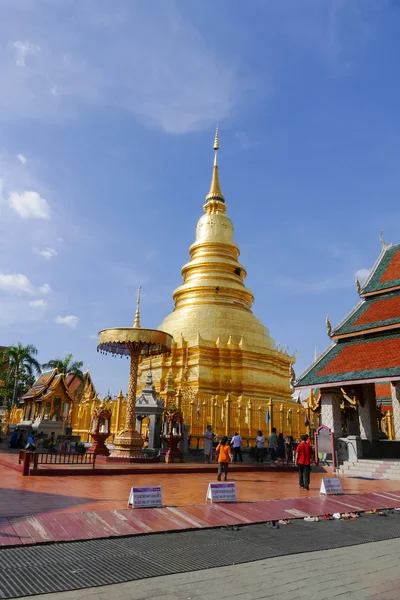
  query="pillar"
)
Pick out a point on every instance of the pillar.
point(270, 410)
point(152, 432)
point(331, 413)
point(367, 413)
point(228, 414)
point(396, 408)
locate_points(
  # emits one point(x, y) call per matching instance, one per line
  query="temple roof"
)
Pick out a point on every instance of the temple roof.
point(375, 312)
point(360, 359)
point(40, 384)
point(45, 386)
point(385, 274)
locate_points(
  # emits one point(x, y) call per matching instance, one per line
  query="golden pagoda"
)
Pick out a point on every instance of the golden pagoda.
point(221, 353)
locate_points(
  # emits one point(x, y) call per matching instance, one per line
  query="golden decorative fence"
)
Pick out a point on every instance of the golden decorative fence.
point(226, 415)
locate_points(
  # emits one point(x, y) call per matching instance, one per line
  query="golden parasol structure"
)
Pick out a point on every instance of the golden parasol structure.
point(134, 342)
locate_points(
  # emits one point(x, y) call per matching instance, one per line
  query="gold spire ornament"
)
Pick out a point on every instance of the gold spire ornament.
point(215, 188)
point(328, 327)
point(137, 314)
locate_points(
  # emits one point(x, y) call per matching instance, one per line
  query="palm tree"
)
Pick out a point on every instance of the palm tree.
point(65, 366)
point(21, 365)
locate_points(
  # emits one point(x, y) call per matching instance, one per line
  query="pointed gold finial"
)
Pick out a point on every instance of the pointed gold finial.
point(216, 140)
point(137, 314)
point(215, 192)
point(358, 285)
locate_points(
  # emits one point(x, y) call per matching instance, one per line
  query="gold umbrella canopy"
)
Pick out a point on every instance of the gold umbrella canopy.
point(128, 340)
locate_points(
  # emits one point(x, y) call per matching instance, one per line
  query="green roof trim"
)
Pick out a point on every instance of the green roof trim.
point(347, 325)
point(373, 284)
point(310, 377)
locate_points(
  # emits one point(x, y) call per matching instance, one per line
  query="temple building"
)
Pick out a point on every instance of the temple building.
point(49, 403)
point(358, 377)
point(222, 353)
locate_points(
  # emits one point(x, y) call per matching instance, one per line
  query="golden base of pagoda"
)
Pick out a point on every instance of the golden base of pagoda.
point(128, 444)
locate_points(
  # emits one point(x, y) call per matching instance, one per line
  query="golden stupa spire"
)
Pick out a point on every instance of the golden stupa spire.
point(137, 314)
point(215, 189)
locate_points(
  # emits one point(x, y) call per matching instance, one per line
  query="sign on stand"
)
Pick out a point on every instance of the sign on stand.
point(221, 492)
point(331, 486)
point(145, 497)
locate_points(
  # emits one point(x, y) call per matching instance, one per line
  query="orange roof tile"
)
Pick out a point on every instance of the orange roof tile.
point(392, 271)
point(371, 356)
point(382, 310)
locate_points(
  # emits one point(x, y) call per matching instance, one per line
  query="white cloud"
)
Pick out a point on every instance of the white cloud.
point(29, 205)
point(16, 311)
point(21, 158)
point(92, 336)
point(24, 49)
point(362, 275)
point(68, 320)
point(178, 82)
point(41, 303)
point(45, 288)
point(19, 284)
point(48, 253)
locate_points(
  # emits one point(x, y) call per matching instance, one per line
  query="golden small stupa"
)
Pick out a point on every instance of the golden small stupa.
point(220, 347)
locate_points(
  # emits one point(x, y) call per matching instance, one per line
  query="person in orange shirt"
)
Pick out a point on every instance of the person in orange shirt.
point(224, 458)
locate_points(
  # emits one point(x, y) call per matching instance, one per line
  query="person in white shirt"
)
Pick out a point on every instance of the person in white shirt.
point(236, 443)
point(260, 441)
point(208, 444)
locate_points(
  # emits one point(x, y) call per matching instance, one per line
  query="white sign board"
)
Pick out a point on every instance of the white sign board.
point(221, 492)
point(331, 486)
point(145, 497)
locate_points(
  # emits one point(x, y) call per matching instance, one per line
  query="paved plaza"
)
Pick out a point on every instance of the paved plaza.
point(362, 572)
point(109, 544)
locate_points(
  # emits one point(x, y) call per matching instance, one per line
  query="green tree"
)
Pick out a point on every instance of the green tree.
point(66, 365)
point(20, 368)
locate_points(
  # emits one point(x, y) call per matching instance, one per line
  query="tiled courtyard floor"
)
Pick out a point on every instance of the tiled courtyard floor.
point(40, 509)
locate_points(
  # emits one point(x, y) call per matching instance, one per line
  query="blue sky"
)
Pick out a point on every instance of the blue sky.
point(107, 117)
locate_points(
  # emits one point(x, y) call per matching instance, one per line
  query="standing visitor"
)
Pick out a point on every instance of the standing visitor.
point(260, 441)
point(30, 442)
point(273, 445)
point(224, 458)
point(281, 449)
point(208, 444)
point(51, 443)
point(303, 461)
point(236, 443)
point(13, 443)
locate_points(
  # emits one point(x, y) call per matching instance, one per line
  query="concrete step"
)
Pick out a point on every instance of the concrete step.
point(357, 473)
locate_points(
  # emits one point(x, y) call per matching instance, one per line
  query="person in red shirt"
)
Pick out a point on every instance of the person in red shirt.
point(303, 462)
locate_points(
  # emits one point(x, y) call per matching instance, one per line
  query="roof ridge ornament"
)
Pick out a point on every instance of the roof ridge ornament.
point(382, 241)
point(136, 323)
point(328, 326)
point(358, 285)
point(215, 192)
point(292, 375)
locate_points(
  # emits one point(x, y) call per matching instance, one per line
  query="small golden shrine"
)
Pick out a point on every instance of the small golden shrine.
point(100, 430)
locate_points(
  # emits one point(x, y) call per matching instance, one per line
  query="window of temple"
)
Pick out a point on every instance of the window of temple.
point(65, 411)
point(33, 408)
point(46, 411)
point(56, 409)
